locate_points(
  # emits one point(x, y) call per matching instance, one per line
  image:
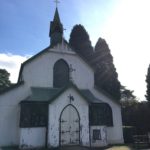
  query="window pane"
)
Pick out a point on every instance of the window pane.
point(33, 115)
point(61, 74)
point(101, 114)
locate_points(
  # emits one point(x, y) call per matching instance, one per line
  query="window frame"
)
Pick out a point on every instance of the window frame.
point(105, 117)
point(58, 76)
point(33, 114)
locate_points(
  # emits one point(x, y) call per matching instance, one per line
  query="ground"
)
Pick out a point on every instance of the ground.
point(111, 148)
point(120, 148)
point(83, 148)
point(124, 148)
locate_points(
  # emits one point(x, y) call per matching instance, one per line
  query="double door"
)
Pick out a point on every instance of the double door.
point(69, 126)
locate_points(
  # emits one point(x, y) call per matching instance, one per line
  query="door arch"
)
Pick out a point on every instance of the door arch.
point(69, 126)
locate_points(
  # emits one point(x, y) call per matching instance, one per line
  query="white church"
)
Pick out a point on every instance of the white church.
point(55, 102)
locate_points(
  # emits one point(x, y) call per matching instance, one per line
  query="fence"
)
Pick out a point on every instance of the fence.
point(141, 141)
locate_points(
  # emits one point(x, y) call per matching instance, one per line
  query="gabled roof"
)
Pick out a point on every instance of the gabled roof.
point(107, 94)
point(42, 93)
point(29, 60)
point(89, 95)
point(51, 94)
point(42, 52)
point(14, 86)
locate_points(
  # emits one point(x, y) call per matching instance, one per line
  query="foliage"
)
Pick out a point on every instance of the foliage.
point(127, 94)
point(4, 79)
point(80, 41)
point(101, 59)
point(134, 113)
point(127, 97)
point(106, 76)
point(148, 84)
point(137, 114)
point(128, 132)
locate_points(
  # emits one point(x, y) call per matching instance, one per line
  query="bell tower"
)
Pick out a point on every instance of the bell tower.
point(56, 29)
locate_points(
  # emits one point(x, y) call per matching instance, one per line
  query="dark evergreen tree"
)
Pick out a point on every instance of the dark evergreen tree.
point(136, 114)
point(4, 79)
point(126, 94)
point(148, 85)
point(80, 41)
point(106, 76)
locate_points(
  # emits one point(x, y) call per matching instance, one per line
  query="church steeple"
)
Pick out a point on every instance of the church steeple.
point(56, 29)
point(56, 16)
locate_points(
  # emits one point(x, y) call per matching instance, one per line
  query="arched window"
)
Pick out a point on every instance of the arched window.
point(60, 74)
point(101, 114)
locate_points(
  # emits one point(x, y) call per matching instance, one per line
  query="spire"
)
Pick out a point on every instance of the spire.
point(56, 16)
point(56, 29)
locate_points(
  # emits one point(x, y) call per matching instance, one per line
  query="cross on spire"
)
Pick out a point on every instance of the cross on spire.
point(56, 1)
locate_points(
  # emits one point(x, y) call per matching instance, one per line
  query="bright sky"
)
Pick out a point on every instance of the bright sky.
point(124, 24)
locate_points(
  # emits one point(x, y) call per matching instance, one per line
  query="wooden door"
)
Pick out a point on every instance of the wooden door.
point(69, 126)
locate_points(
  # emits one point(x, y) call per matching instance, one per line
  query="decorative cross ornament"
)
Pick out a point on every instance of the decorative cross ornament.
point(71, 98)
point(56, 1)
point(71, 71)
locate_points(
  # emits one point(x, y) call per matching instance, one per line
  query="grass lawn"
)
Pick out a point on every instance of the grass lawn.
point(119, 148)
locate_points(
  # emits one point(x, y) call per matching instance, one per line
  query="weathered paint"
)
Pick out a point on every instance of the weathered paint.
point(39, 72)
point(10, 114)
point(114, 133)
point(32, 137)
point(103, 134)
point(69, 126)
point(55, 110)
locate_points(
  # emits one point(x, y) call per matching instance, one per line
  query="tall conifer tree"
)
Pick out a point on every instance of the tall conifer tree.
point(80, 41)
point(101, 59)
point(148, 84)
point(106, 76)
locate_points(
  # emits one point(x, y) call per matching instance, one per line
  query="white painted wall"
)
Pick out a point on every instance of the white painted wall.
point(10, 115)
point(103, 133)
point(55, 110)
point(32, 137)
point(115, 133)
point(40, 71)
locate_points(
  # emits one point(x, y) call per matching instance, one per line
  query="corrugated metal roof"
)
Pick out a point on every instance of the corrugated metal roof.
point(42, 94)
point(90, 97)
point(49, 94)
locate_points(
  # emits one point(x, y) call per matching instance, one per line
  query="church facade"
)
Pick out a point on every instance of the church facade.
point(55, 102)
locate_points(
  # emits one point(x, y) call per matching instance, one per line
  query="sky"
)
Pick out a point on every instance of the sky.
point(124, 24)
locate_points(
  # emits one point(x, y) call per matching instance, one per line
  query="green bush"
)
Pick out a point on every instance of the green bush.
point(128, 132)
